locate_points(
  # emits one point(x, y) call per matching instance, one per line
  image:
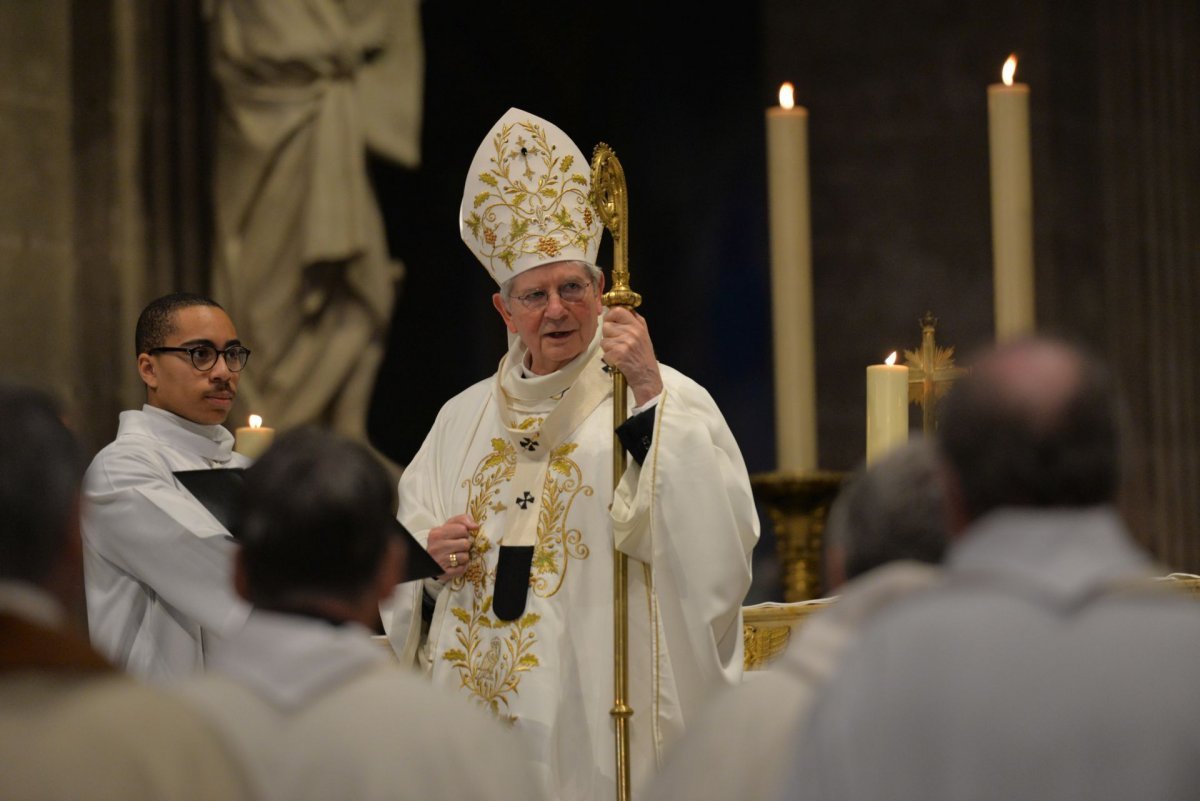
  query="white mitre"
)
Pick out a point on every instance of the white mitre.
point(525, 202)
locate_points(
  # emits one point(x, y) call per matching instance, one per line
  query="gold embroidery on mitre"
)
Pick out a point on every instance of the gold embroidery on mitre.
point(555, 539)
point(532, 202)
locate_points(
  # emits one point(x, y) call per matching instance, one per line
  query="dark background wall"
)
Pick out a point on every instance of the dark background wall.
point(899, 165)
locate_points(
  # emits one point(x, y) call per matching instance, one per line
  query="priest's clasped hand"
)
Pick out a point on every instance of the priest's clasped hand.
point(626, 344)
point(450, 545)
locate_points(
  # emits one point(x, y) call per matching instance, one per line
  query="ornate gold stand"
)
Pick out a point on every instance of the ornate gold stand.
point(798, 504)
point(931, 373)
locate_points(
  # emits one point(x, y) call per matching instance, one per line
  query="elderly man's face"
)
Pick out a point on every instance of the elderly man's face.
point(560, 329)
point(174, 384)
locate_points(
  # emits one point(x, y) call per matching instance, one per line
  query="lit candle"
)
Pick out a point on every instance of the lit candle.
point(887, 407)
point(791, 284)
point(253, 439)
point(1012, 204)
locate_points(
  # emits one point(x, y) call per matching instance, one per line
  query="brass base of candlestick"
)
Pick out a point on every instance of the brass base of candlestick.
point(798, 503)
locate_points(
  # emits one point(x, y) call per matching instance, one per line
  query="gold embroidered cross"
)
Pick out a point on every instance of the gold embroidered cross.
point(931, 372)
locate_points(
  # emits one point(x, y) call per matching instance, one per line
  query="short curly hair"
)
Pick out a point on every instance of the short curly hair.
point(157, 320)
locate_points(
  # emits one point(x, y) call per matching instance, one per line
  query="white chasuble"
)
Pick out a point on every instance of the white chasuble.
point(530, 459)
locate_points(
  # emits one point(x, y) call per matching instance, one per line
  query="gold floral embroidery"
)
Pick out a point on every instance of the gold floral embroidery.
point(490, 664)
point(489, 669)
point(492, 654)
point(535, 188)
point(555, 541)
point(493, 470)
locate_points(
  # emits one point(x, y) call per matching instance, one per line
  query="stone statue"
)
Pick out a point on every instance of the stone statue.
point(306, 88)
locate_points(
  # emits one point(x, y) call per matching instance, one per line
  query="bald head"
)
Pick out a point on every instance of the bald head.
point(1032, 425)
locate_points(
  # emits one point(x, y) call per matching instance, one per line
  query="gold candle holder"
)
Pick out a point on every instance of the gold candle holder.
point(798, 504)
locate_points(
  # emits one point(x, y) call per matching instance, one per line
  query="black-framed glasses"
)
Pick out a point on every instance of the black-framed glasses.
point(204, 357)
point(570, 292)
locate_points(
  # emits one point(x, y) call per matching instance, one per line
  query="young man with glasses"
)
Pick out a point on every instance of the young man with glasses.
point(158, 563)
point(512, 493)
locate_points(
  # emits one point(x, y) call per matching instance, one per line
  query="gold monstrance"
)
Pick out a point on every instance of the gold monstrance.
point(612, 205)
point(931, 373)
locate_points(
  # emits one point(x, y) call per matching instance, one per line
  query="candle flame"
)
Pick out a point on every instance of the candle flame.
point(890, 360)
point(787, 95)
point(1009, 70)
point(255, 421)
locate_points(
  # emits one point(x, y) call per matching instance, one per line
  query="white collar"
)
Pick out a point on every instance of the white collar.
point(290, 659)
point(213, 442)
point(520, 383)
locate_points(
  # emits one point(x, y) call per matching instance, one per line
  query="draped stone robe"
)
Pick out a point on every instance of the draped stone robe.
point(301, 261)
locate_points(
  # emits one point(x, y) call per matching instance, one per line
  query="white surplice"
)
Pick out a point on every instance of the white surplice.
point(686, 517)
point(319, 711)
point(770, 704)
point(158, 565)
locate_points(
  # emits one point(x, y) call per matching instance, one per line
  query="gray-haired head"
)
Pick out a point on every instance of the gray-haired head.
point(894, 509)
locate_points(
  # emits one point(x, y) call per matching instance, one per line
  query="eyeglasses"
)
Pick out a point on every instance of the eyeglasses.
point(204, 357)
point(570, 292)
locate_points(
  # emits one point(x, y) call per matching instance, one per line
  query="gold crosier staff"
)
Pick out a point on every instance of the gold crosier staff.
point(612, 205)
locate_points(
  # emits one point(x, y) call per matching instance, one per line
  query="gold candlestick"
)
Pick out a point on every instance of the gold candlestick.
point(798, 504)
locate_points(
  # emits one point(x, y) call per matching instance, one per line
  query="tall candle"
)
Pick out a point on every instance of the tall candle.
point(887, 407)
point(1012, 204)
point(251, 440)
point(791, 284)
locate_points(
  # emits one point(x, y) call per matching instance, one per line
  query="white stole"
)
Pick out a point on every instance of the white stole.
point(570, 395)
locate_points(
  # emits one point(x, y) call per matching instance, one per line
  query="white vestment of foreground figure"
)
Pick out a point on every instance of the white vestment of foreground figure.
point(685, 517)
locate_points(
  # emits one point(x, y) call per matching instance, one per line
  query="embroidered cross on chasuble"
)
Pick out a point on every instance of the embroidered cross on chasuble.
point(539, 413)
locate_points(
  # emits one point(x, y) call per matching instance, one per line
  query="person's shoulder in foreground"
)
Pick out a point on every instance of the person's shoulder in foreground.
point(71, 726)
point(1047, 649)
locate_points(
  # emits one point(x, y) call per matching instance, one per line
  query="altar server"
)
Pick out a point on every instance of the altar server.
point(158, 562)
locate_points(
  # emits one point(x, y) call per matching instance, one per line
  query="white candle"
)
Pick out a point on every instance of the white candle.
point(251, 440)
point(1012, 204)
point(791, 284)
point(887, 407)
